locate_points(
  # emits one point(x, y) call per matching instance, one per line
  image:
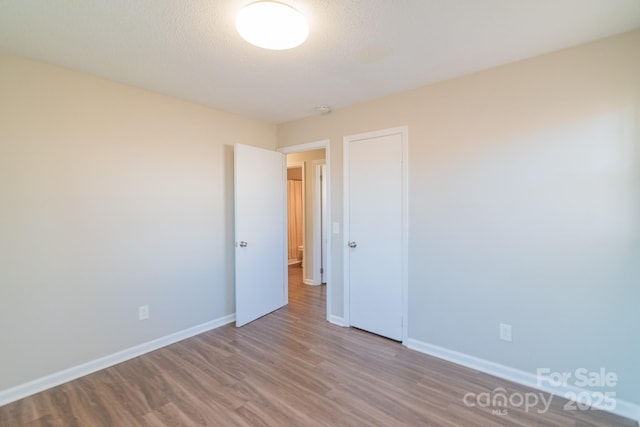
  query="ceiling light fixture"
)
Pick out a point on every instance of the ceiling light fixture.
point(272, 25)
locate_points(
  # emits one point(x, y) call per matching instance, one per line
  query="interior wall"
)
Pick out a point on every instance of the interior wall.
point(308, 158)
point(524, 189)
point(111, 197)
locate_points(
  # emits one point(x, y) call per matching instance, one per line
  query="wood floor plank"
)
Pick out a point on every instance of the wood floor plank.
point(289, 368)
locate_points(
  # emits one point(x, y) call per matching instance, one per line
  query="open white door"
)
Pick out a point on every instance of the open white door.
point(260, 232)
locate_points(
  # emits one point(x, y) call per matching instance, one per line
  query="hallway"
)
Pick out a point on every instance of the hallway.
point(306, 300)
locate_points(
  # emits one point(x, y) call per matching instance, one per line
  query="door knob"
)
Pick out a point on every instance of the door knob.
point(243, 244)
point(352, 244)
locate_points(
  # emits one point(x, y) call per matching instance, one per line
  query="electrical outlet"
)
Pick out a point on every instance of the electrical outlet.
point(143, 312)
point(505, 332)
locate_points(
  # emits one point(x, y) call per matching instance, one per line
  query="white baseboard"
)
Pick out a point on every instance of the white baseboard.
point(623, 408)
point(23, 390)
point(336, 320)
point(310, 282)
point(295, 261)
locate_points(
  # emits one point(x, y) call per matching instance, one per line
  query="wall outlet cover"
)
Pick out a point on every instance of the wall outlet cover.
point(143, 312)
point(505, 332)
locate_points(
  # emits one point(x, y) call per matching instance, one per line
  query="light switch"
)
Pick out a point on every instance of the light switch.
point(336, 228)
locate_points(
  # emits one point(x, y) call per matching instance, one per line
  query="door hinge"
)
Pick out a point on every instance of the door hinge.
point(321, 270)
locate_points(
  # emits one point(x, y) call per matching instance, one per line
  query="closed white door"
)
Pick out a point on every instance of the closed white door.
point(375, 226)
point(259, 232)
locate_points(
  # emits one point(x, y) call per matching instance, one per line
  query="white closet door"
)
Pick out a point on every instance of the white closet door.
point(374, 195)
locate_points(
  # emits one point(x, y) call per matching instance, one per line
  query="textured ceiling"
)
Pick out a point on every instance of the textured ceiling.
point(357, 49)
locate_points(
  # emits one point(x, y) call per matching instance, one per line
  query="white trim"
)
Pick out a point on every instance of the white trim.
point(318, 145)
point(623, 408)
point(285, 241)
point(35, 386)
point(405, 231)
point(336, 320)
point(316, 276)
point(327, 177)
point(324, 247)
point(346, 300)
point(310, 282)
point(404, 132)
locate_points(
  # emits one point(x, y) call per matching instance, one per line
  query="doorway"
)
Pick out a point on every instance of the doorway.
point(308, 247)
point(315, 253)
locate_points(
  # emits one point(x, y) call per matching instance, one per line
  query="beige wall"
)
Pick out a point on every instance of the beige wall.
point(524, 186)
point(308, 157)
point(111, 197)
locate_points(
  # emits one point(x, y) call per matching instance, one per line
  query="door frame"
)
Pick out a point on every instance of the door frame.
point(320, 223)
point(403, 131)
point(317, 145)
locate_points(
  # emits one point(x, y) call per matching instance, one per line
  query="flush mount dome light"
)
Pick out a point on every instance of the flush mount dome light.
point(272, 25)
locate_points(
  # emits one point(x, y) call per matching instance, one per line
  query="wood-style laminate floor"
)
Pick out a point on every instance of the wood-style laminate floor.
point(289, 368)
